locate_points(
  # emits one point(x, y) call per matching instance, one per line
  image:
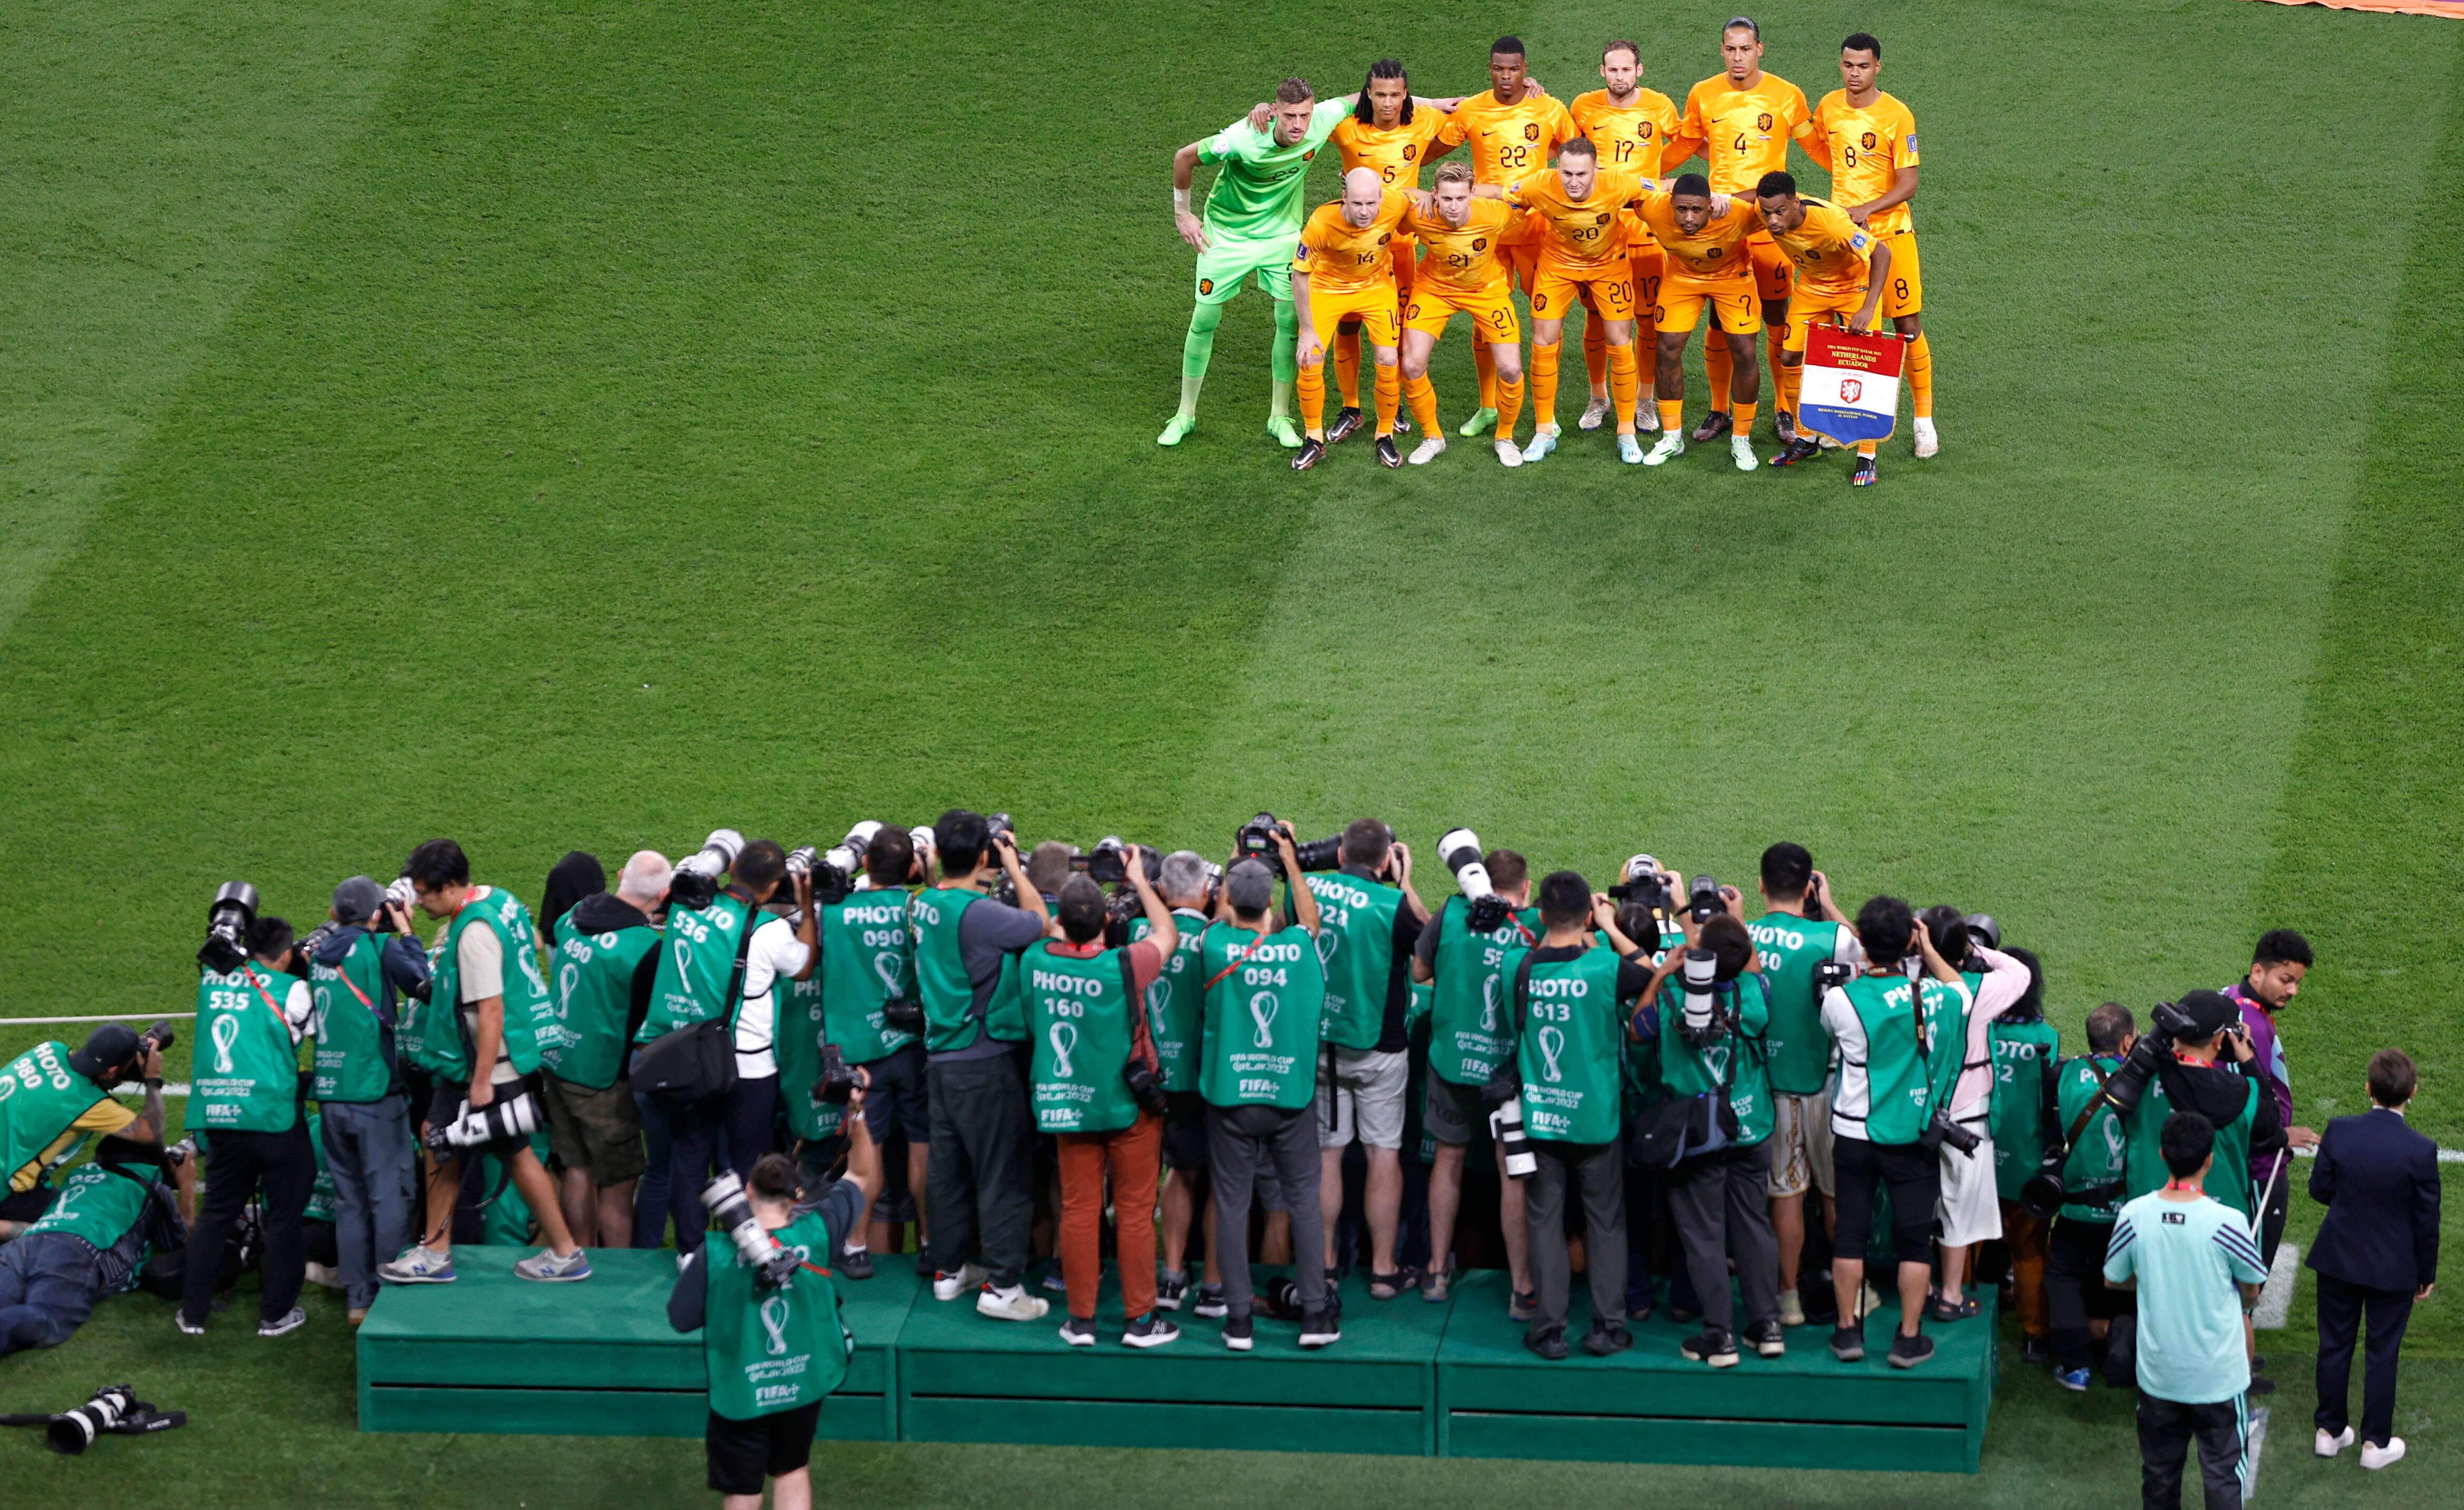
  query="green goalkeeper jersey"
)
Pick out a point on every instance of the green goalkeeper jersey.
point(1258, 195)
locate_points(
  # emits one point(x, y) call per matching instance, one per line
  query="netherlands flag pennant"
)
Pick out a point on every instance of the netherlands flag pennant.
point(1851, 384)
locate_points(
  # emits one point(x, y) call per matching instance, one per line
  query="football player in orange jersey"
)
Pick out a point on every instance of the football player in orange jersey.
point(1344, 269)
point(1704, 235)
point(1842, 272)
point(1462, 273)
point(1384, 131)
point(1742, 119)
point(1635, 129)
point(1868, 141)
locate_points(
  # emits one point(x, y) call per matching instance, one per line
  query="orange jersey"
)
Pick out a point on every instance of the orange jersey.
point(1830, 252)
point(1341, 258)
point(1714, 255)
point(1508, 142)
point(1867, 146)
point(1394, 152)
point(1581, 235)
point(1463, 260)
point(1635, 137)
point(1744, 132)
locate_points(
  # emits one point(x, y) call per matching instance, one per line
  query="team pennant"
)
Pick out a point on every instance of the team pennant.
point(1851, 384)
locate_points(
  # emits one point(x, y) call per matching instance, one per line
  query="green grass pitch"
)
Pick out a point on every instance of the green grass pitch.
point(581, 426)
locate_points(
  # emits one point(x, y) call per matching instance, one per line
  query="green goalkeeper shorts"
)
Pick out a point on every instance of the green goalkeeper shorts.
point(1224, 264)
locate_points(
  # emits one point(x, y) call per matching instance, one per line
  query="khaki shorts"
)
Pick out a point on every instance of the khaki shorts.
point(1451, 1112)
point(598, 1130)
point(1366, 1092)
point(1800, 1144)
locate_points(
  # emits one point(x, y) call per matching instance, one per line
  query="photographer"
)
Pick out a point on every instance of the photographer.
point(1567, 1004)
point(1375, 917)
point(2277, 968)
point(2026, 1123)
point(773, 1348)
point(1176, 1014)
point(867, 963)
point(484, 1057)
point(1800, 930)
point(246, 1098)
point(606, 970)
point(58, 1097)
point(1959, 1050)
point(1467, 1042)
point(90, 1244)
point(1265, 999)
point(983, 1135)
point(1883, 1117)
point(1711, 1042)
point(2203, 1063)
point(1093, 1085)
point(358, 978)
point(2196, 1270)
point(2078, 1307)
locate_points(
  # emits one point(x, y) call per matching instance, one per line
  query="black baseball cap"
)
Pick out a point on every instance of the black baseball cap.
point(107, 1048)
point(2210, 1012)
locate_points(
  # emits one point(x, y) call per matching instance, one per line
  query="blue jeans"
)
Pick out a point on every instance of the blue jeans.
point(47, 1286)
point(369, 1154)
point(651, 1196)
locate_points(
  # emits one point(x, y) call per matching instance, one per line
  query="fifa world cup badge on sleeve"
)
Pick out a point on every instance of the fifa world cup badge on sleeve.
point(1851, 384)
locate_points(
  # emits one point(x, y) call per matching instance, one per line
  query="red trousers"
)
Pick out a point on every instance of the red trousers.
point(1134, 1155)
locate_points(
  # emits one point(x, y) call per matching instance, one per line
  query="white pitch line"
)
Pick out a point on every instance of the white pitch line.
point(2276, 1300)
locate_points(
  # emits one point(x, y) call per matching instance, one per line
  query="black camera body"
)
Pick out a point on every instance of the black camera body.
point(1703, 900)
point(228, 918)
point(907, 1016)
point(1942, 1132)
point(1255, 840)
point(2168, 1025)
point(1109, 862)
point(1641, 884)
point(1146, 1087)
point(838, 1078)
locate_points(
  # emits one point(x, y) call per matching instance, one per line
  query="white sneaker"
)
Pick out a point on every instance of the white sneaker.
point(1791, 1309)
point(2329, 1446)
point(1429, 451)
point(1543, 442)
point(1629, 450)
point(1930, 444)
point(291, 1321)
point(1013, 1304)
point(950, 1286)
point(1741, 450)
point(549, 1266)
point(1509, 454)
point(418, 1264)
point(1593, 413)
point(2375, 1458)
point(1671, 445)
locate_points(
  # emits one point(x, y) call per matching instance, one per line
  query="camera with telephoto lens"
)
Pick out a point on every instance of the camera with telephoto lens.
point(1642, 881)
point(1701, 1023)
point(1514, 1156)
point(696, 885)
point(510, 1119)
point(2168, 1025)
point(115, 1409)
point(226, 923)
point(1703, 900)
point(839, 1079)
point(1460, 849)
point(1255, 840)
point(727, 1203)
point(1109, 862)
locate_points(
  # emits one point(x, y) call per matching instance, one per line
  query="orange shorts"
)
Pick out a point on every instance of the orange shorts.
point(1373, 306)
point(1773, 277)
point(1407, 265)
point(1835, 305)
point(1492, 311)
point(1731, 302)
point(1610, 290)
point(1522, 264)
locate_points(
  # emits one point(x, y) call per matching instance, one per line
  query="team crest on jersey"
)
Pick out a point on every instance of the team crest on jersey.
point(1310, 156)
point(1763, 121)
point(1385, 237)
point(1869, 141)
point(1603, 221)
point(1410, 152)
point(1205, 285)
point(1479, 243)
point(1531, 132)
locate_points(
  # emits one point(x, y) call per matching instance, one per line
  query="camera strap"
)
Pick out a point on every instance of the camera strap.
point(1141, 1039)
point(2095, 1102)
point(1238, 960)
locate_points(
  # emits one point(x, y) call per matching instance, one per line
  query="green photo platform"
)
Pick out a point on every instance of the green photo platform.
point(1648, 1404)
point(492, 1353)
point(966, 1378)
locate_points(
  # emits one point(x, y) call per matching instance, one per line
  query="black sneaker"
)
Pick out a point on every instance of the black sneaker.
point(1766, 1339)
point(1150, 1330)
point(1170, 1287)
point(1345, 423)
point(1907, 1353)
point(925, 1268)
point(856, 1264)
point(1711, 1345)
point(1211, 1302)
point(1715, 425)
point(1867, 473)
point(2261, 1383)
point(1387, 454)
point(1784, 426)
point(1307, 455)
point(1602, 1341)
point(1319, 1328)
point(2032, 1350)
point(1550, 1344)
point(1077, 1333)
point(1237, 1332)
point(1848, 1343)
point(1793, 453)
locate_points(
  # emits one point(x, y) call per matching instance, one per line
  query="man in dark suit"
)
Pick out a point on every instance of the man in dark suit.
point(2377, 1251)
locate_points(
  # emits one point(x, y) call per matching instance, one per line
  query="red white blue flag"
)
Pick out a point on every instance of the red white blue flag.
point(1851, 384)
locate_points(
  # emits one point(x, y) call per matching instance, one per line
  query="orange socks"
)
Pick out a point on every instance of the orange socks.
point(1920, 376)
point(1312, 392)
point(1776, 347)
point(1422, 395)
point(1543, 386)
point(1672, 415)
point(1595, 352)
point(1347, 366)
point(1790, 380)
point(1485, 365)
point(1742, 415)
point(1509, 408)
point(1623, 380)
point(1719, 366)
point(1390, 396)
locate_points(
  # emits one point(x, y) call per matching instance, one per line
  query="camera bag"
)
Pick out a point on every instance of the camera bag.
point(1669, 1132)
point(696, 1063)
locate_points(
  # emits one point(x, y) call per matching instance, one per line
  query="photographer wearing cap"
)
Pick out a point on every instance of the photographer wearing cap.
point(1093, 1084)
point(867, 964)
point(1265, 1002)
point(2277, 968)
point(981, 1180)
point(2078, 1307)
point(90, 1244)
point(1567, 1011)
point(1175, 1018)
point(1959, 1034)
point(246, 1098)
point(52, 1097)
point(607, 964)
point(357, 976)
point(479, 1038)
point(1884, 1116)
point(1800, 930)
point(1711, 1034)
point(1373, 918)
point(1467, 1040)
point(2203, 1062)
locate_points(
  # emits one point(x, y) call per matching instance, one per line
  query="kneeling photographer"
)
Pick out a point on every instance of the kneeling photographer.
point(90, 1244)
point(2084, 1198)
point(1093, 1083)
point(58, 1096)
point(1708, 1006)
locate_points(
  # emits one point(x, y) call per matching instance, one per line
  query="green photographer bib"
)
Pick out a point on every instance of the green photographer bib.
point(942, 976)
point(1261, 1035)
point(868, 960)
point(798, 1048)
point(529, 1006)
point(1078, 1014)
point(2143, 1142)
point(40, 1098)
point(1734, 1060)
point(95, 1206)
point(321, 1195)
point(350, 1063)
point(696, 978)
point(1355, 944)
point(246, 1070)
point(1947, 1014)
point(429, 1034)
point(585, 1045)
point(1572, 1050)
point(1468, 1032)
point(1175, 1008)
point(1900, 1095)
point(2097, 1166)
point(773, 1351)
point(1791, 948)
point(2023, 1067)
